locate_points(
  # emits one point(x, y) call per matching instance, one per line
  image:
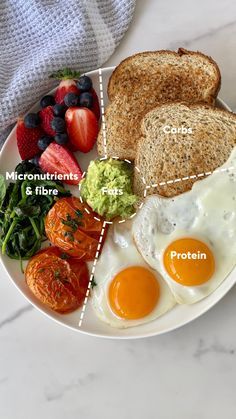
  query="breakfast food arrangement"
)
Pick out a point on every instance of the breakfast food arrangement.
point(122, 199)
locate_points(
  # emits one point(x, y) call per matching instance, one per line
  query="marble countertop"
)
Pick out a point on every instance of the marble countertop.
point(47, 371)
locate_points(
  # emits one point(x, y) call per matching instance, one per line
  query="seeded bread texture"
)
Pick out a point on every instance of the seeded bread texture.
point(165, 157)
point(143, 81)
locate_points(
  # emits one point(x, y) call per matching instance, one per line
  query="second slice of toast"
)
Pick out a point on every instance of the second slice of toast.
point(204, 142)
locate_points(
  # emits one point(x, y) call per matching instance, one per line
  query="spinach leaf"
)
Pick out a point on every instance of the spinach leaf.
point(22, 216)
point(24, 210)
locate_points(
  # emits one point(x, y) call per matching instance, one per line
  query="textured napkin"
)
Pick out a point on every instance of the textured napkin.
point(38, 37)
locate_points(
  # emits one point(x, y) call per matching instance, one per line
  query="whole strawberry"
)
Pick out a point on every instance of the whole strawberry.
point(46, 117)
point(27, 140)
point(67, 84)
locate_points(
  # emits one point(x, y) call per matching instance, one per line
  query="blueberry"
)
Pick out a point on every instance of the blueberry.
point(59, 110)
point(84, 83)
point(58, 124)
point(71, 99)
point(44, 142)
point(47, 100)
point(32, 120)
point(35, 160)
point(86, 100)
point(61, 138)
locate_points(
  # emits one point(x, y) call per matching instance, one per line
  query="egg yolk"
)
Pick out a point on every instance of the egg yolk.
point(189, 261)
point(133, 293)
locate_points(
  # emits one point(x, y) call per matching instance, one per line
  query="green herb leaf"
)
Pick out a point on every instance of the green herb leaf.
point(79, 213)
point(64, 256)
point(93, 283)
point(73, 223)
point(57, 274)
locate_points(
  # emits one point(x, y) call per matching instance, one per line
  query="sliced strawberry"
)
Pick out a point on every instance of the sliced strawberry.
point(82, 128)
point(57, 159)
point(96, 107)
point(46, 116)
point(65, 86)
point(27, 140)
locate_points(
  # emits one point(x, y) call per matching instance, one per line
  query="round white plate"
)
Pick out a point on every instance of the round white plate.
point(178, 316)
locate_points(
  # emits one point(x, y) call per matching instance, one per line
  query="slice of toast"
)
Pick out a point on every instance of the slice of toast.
point(147, 79)
point(166, 156)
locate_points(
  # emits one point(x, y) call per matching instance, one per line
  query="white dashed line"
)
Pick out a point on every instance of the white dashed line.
point(182, 179)
point(92, 273)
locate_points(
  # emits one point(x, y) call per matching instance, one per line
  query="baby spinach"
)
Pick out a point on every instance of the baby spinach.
point(22, 216)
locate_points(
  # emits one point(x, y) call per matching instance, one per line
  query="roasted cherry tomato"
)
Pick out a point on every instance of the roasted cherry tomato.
point(70, 227)
point(57, 280)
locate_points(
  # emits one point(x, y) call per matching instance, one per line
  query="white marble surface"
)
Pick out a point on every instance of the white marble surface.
point(47, 371)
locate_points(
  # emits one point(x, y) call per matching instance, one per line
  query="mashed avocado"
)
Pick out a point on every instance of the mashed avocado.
point(107, 188)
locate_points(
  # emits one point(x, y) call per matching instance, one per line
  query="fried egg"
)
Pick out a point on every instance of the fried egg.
point(128, 292)
point(191, 239)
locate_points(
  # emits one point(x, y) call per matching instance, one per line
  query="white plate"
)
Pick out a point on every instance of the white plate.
point(180, 315)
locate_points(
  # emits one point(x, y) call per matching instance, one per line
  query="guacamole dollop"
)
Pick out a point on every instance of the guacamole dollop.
point(107, 188)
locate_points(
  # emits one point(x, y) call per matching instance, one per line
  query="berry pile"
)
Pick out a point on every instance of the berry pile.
point(68, 119)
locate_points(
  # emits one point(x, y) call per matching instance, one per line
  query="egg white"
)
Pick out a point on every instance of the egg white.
point(207, 213)
point(120, 252)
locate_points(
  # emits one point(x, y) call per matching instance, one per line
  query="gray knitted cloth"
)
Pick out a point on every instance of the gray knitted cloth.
point(38, 37)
